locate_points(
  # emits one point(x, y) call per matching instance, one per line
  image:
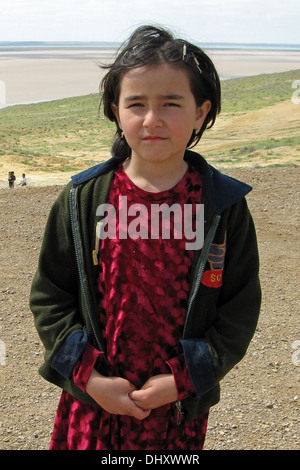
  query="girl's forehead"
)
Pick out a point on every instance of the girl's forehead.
point(161, 74)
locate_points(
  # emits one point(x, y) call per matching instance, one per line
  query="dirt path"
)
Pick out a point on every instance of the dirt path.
point(259, 408)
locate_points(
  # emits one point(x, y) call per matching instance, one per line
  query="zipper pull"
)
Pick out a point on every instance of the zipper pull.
point(180, 413)
point(98, 238)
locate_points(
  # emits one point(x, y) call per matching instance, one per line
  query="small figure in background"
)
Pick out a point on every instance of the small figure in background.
point(23, 180)
point(11, 179)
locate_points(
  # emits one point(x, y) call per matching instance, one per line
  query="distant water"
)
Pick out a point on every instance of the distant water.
point(259, 58)
point(8, 46)
point(250, 47)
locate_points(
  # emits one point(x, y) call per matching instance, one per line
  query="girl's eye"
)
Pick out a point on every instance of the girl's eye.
point(135, 105)
point(141, 105)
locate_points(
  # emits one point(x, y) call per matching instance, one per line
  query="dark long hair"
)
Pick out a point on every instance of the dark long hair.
point(149, 45)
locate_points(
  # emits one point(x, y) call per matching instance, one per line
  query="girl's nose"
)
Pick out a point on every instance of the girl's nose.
point(152, 119)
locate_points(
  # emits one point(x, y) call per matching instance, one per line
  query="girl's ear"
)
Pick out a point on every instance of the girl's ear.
point(115, 110)
point(202, 112)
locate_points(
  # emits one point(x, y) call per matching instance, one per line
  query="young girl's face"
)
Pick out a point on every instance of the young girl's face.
point(157, 112)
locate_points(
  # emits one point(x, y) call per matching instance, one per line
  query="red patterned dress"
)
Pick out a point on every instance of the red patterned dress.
point(143, 288)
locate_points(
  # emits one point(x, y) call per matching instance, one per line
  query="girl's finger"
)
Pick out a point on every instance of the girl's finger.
point(133, 397)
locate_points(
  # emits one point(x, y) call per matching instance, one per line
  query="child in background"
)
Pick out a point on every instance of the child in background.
point(11, 179)
point(139, 330)
point(23, 180)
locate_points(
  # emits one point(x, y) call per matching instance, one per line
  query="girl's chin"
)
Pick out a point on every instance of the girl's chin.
point(157, 157)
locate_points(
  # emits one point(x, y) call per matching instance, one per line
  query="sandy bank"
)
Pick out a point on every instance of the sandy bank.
point(30, 76)
point(38, 179)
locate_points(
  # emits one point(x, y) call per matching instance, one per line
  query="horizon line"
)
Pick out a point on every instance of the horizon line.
point(41, 42)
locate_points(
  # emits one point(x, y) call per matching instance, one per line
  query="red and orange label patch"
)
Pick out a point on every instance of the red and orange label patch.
point(213, 277)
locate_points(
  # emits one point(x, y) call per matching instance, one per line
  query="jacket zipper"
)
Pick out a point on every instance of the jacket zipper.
point(82, 277)
point(180, 412)
point(201, 265)
point(79, 260)
point(200, 269)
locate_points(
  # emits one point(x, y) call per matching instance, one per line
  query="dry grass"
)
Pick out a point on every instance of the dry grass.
point(258, 127)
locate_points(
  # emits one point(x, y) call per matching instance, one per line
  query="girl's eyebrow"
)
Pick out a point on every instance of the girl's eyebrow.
point(172, 97)
point(143, 97)
point(135, 97)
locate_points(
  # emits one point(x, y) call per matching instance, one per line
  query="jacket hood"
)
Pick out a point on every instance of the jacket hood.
point(221, 190)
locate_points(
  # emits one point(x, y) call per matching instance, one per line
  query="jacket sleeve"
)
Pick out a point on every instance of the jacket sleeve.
point(54, 292)
point(232, 319)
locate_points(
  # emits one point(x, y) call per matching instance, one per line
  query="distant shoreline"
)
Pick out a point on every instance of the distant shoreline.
point(90, 45)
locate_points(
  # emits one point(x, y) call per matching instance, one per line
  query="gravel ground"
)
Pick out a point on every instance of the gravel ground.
point(259, 407)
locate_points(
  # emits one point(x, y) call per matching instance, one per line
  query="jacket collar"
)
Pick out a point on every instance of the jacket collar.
point(221, 190)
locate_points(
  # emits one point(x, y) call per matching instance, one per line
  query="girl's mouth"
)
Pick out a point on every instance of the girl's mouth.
point(153, 138)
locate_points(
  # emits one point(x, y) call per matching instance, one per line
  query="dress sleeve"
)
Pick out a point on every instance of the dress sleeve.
point(181, 375)
point(85, 365)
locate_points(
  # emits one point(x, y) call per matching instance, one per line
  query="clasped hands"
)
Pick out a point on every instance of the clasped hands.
point(118, 396)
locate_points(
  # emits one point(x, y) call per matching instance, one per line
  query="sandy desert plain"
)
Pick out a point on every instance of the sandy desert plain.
point(256, 139)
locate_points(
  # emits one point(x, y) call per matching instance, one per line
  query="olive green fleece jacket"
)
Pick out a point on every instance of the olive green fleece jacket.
point(223, 306)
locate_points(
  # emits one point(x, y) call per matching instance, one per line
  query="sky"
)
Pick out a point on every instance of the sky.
point(237, 21)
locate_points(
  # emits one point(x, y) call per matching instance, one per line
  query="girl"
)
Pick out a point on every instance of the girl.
point(138, 327)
